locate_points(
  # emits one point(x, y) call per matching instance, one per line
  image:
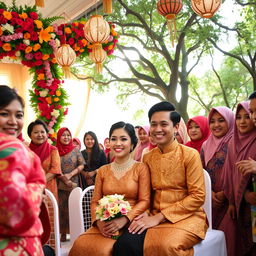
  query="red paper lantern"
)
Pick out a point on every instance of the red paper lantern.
point(205, 8)
point(169, 9)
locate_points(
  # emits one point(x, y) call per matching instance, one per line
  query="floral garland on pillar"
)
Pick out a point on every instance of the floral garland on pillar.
point(26, 36)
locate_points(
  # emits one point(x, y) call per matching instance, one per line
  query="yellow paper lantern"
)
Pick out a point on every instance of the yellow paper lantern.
point(107, 6)
point(98, 57)
point(65, 57)
point(205, 8)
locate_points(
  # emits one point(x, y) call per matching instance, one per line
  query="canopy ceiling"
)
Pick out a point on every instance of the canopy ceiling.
point(69, 8)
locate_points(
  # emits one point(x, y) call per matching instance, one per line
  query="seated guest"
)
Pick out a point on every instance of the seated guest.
point(22, 181)
point(125, 177)
point(143, 135)
point(213, 155)
point(177, 220)
point(198, 131)
point(238, 188)
point(94, 158)
point(151, 145)
point(72, 163)
point(181, 134)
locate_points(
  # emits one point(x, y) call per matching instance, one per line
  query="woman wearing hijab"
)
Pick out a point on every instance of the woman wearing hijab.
point(143, 134)
point(198, 131)
point(72, 163)
point(238, 188)
point(213, 155)
point(181, 134)
point(77, 143)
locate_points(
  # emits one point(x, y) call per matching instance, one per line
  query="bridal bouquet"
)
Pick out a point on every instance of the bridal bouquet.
point(111, 207)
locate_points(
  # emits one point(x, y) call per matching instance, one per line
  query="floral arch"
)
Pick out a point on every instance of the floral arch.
point(25, 35)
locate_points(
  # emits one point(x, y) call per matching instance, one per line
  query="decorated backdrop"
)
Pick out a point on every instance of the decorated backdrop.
point(34, 40)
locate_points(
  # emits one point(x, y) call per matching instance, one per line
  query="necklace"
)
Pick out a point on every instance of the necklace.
point(119, 170)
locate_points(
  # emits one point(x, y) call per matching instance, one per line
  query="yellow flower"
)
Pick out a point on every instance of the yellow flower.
point(68, 31)
point(44, 35)
point(7, 15)
point(26, 35)
point(83, 22)
point(28, 49)
point(3, 164)
point(36, 47)
point(39, 23)
point(45, 57)
point(58, 93)
point(49, 100)
point(7, 47)
point(23, 15)
point(56, 99)
point(40, 76)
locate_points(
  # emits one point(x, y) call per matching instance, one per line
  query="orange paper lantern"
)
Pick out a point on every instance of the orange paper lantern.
point(205, 8)
point(169, 9)
point(107, 6)
point(98, 57)
point(65, 57)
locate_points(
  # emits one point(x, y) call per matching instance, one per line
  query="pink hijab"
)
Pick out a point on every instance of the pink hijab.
point(141, 146)
point(214, 144)
point(241, 147)
point(202, 122)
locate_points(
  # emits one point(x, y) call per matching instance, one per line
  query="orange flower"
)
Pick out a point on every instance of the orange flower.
point(1, 31)
point(39, 23)
point(7, 15)
point(44, 35)
point(110, 47)
point(83, 22)
point(54, 60)
point(68, 31)
point(7, 47)
point(58, 93)
point(54, 135)
point(40, 76)
point(113, 32)
point(48, 100)
point(36, 47)
point(28, 49)
point(81, 50)
point(45, 57)
point(89, 46)
point(84, 42)
point(56, 99)
point(26, 35)
point(77, 48)
point(23, 15)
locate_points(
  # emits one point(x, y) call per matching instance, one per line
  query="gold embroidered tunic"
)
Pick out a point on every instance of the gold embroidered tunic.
point(178, 193)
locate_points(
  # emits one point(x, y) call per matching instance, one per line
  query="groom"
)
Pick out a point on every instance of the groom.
point(177, 221)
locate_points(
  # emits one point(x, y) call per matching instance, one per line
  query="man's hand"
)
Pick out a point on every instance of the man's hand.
point(144, 222)
point(246, 166)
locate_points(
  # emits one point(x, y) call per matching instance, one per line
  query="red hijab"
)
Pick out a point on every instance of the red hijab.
point(43, 150)
point(64, 149)
point(202, 122)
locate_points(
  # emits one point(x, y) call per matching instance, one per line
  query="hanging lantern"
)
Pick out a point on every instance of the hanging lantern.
point(98, 57)
point(107, 6)
point(65, 57)
point(205, 8)
point(39, 3)
point(169, 9)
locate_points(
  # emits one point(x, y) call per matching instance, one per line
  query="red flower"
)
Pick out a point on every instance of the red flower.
point(38, 63)
point(19, 21)
point(33, 15)
point(33, 36)
point(15, 15)
point(3, 20)
point(71, 41)
point(21, 47)
point(65, 112)
point(38, 56)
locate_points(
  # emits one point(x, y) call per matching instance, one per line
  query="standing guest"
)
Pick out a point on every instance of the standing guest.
point(177, 221)
point(143, 135)
point(238, 188)
point(22, 182)
point(181, 134)
point(48, 154)
point(198, 131)
point(77, 143)
point(125, 177)
point(94, 158)
point(72, 163)
point(213, 155)
point(109, 154)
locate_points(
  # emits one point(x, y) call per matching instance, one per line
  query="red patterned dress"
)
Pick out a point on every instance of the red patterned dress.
point(22, 181)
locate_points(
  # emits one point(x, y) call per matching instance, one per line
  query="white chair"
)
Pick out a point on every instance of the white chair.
point(60, 249)
point(214, 243)
point(79, 211)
